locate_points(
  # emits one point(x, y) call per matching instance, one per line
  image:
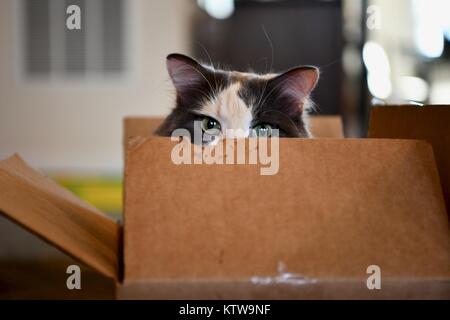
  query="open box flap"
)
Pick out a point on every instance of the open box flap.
point(55, 214)
point(431, 123)
point(335, 207)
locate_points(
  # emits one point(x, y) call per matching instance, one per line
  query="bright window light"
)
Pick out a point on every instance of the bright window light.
point(413, 89)
point(375, 58)
point(379, 86)
point(378, 70)
point(440, 93)
point(432, 19)
point(219, 9)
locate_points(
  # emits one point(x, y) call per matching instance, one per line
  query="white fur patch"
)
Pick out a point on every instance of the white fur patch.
point(231, 111)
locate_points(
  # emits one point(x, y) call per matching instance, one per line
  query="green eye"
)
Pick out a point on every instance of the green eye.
point(211, 126)
point(263, 130)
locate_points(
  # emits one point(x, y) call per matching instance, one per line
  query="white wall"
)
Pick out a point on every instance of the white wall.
point(79, 126)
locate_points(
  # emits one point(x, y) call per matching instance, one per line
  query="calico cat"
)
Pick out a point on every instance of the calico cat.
point(214, 101)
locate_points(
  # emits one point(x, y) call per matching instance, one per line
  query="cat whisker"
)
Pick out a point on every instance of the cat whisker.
point(271, 62)
point(211, 64)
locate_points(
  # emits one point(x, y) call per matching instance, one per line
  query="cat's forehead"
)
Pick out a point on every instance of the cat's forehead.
point(235, 89)
point(229, 108)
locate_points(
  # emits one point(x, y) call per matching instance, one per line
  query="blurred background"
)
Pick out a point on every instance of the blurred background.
point(64, 93)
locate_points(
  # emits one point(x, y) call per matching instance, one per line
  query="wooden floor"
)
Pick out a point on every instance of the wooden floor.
point(32, 269)
point(46, 279)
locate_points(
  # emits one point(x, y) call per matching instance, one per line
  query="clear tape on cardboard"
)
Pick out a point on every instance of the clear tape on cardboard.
point(283, 277)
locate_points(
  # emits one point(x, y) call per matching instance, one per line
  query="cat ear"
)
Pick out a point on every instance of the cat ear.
point(185, 72)
point(296, 84)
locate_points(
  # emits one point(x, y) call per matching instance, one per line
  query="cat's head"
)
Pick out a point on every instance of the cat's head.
point(248, 103)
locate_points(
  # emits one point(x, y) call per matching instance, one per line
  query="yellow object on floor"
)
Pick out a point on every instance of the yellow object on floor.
point(103, 192)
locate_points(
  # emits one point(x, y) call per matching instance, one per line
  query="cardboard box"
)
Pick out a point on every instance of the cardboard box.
point(430, 123)
point(336, 208)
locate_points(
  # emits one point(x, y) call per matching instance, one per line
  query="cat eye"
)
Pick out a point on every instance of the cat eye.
point(211, 126)
point(262, 130)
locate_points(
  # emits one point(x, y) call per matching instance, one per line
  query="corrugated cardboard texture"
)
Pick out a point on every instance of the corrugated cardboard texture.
point(335, 207)
point(431, 123)
point(40, 205)
point(321, 127)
